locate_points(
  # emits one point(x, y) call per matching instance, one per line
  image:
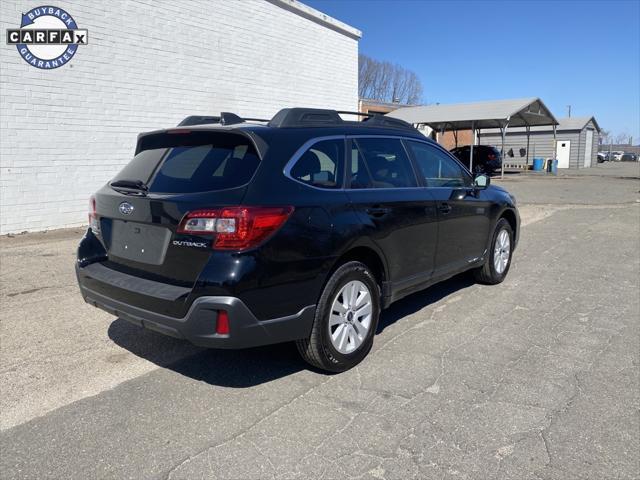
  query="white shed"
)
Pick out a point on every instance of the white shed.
point(577, 140)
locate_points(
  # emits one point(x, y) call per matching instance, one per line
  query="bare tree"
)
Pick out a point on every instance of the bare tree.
point(387, 82)
point(622, 138)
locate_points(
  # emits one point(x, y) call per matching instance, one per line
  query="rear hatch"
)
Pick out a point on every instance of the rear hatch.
point(173, 172)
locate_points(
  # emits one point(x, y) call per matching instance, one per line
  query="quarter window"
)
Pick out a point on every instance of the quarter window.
point(437, 168)
point(386, 163)
point(321, 165)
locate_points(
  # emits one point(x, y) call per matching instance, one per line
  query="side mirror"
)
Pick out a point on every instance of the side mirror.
point(481, 181)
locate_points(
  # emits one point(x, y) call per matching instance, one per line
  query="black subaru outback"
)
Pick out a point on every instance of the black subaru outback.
point(233, 234)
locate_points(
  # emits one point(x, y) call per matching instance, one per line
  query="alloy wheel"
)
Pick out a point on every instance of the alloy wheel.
point(501, 252)
point(350, 317)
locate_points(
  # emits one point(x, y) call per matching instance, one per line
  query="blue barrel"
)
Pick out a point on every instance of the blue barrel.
point(538, 164)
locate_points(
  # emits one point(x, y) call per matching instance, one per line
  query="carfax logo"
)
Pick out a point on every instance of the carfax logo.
point(48, 37)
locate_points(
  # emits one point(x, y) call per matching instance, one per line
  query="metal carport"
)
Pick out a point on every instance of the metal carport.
point(502, 114)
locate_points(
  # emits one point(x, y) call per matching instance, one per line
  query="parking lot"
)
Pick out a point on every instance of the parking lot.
point(538, 377)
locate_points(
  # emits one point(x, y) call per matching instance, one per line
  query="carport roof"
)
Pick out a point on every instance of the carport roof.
point(461, 116)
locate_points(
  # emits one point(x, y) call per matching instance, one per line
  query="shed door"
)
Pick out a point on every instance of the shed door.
point(563, 151)
point(588, 148)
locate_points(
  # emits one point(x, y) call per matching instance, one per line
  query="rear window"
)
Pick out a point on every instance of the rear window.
point(190, 163)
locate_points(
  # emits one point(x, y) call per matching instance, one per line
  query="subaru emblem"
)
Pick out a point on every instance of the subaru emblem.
point(126, 208)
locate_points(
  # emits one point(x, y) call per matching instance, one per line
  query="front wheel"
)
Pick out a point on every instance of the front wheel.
point(345, 321)
point(498, 261)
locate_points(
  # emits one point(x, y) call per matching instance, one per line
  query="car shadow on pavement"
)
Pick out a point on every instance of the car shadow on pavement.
point(253, 366)
point(419, 300)
point(225, 368)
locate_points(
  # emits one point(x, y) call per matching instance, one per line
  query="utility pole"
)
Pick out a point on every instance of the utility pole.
point(569, 111)
point(610, 149)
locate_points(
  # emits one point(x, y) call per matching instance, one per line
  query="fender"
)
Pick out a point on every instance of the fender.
point(369, 244)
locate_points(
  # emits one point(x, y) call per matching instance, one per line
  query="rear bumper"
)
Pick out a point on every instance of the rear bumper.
point(198, 326)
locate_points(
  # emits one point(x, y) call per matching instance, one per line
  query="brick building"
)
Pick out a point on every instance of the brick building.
point(65, 132)
point(448, 139)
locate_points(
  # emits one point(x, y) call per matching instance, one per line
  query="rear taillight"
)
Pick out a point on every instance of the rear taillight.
point(235, 228)
point(491, 156)
point(94, 223)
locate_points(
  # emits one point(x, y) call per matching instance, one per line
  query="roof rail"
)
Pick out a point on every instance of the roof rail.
point(305, 117)
point(384, 121)
point(315, 117)
point(359, 114)
point(300, 117)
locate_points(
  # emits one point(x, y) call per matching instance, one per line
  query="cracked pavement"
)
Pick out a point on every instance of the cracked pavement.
point(536, 378)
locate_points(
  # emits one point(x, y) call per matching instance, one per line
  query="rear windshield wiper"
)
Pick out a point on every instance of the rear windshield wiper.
point(137, 185)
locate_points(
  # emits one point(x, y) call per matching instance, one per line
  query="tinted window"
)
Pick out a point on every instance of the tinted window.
point(321, 164)
point(387, 162)
point(437, 168)
point(141, 167)
point(360, 177)
point(222, 161)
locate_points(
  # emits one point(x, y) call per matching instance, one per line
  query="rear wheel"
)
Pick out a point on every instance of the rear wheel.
point(346, 320)
point(498, 261)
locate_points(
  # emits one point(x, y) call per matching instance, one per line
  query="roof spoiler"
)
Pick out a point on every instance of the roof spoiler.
point(225, 118)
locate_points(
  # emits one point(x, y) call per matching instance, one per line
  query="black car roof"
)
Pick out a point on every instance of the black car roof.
point(297, 124)
point(347, 128)
point(315, 120)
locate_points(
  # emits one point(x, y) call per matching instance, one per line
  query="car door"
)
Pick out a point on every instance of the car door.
point(398, 216)
point(463, 212)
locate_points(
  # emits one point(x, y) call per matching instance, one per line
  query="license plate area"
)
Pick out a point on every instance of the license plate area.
point(139, 242)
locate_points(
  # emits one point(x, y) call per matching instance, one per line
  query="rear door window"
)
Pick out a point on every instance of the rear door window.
point(184, 164)
point(387, 162)
point(321, 165)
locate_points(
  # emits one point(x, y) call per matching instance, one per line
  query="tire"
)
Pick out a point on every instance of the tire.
point(335, 310)
point(492, 272)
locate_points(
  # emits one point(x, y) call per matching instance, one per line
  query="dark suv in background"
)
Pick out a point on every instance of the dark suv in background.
point(235, 234)
point(486, 159)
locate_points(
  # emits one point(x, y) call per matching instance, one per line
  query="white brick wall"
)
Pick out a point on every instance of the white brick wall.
point(149, 63)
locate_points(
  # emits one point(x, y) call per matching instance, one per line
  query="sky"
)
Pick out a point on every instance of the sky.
point(583, 53)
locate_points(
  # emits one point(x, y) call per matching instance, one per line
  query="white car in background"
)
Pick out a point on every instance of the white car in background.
point(617, 155)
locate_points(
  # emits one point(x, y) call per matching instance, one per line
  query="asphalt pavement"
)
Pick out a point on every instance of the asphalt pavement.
point(536, 378)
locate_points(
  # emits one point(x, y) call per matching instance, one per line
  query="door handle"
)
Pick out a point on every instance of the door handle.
point(444, 208)
point(378, 211)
